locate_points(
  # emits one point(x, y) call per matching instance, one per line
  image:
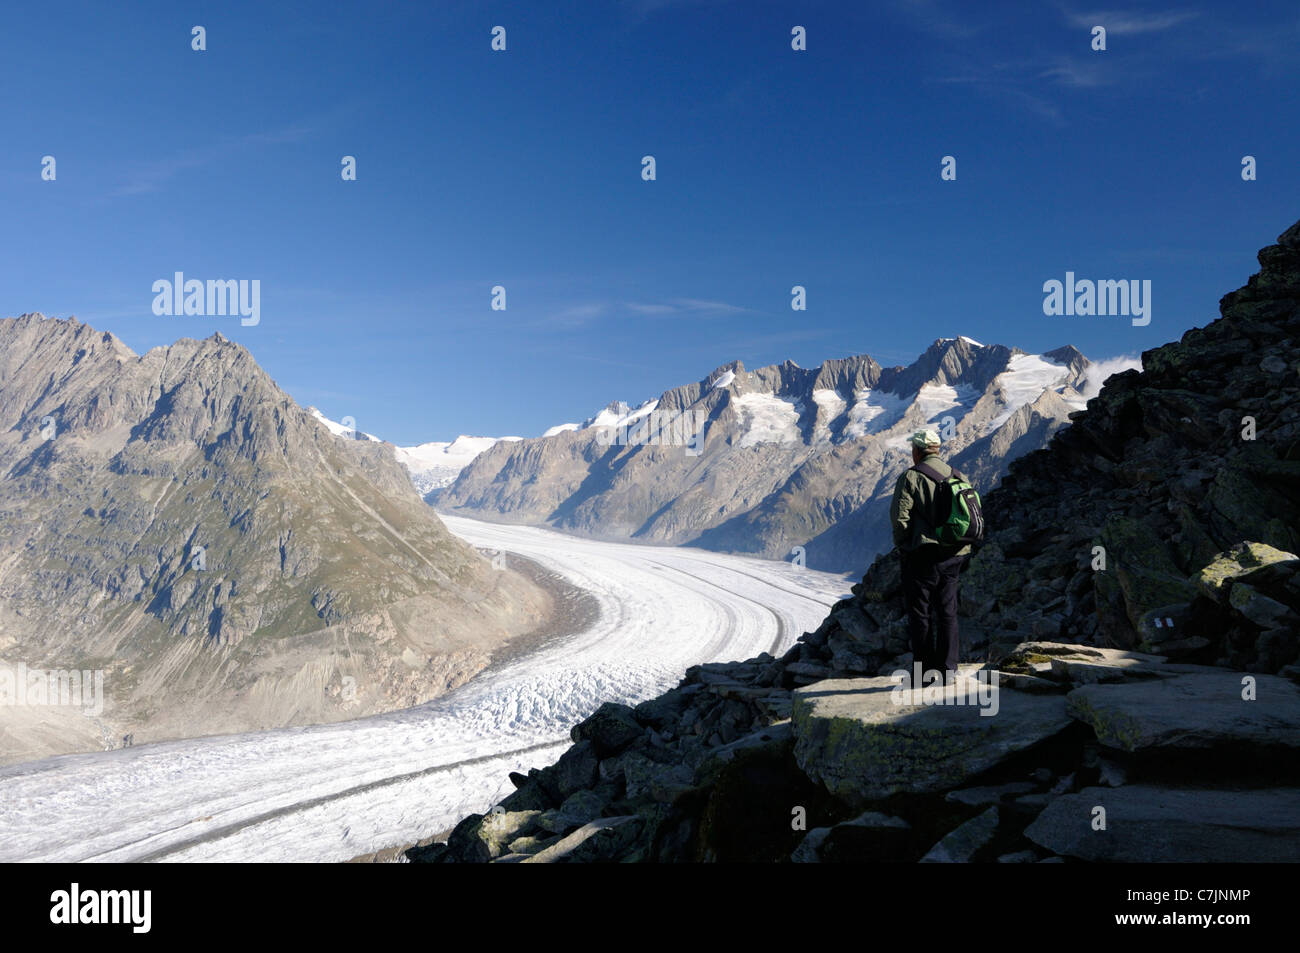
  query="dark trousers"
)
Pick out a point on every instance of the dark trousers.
point(930, 589)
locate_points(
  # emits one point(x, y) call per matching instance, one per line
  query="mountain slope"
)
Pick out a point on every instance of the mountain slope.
point(786, 457)
point(176, 520)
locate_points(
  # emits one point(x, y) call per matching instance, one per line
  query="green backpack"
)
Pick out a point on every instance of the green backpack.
point(960, 517)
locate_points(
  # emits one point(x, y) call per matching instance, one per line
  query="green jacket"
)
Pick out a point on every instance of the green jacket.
point(912, 511)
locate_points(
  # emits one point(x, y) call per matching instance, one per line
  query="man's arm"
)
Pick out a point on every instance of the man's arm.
point(900, 510)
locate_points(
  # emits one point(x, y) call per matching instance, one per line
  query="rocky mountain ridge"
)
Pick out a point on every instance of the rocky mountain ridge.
point(782, 456)
point(176, 521)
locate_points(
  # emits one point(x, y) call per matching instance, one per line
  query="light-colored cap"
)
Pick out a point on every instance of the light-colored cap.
point(925, 438)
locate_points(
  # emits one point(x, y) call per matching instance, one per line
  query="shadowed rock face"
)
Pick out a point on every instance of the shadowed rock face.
point(787, 457)
point(1186, 761)
point(176, 520)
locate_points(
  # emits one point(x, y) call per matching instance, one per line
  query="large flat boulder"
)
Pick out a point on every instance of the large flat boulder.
point(854, 737)
point(1156, 824)
point(1204, 709)
point(1070, 662)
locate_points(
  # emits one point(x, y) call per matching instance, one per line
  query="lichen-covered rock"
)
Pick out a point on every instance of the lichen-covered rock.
point(1064, 662)
point(464, 845)
point(601, 840)
point(852, 736)
point(581, 807)
point(645, 777)
point(610, 729)
point(499, 828)
point(1215, 580)
point(1144, 568)
point(1198, 710)
point(577, 768)
point(531, 844)
point(1265, 611)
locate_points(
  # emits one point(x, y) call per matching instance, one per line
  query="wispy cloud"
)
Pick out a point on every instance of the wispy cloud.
point(1095, 374)
point(700, 306)
point(1188, 36)
point(1077, 74)
point(1036, 80)
point(1131, 24)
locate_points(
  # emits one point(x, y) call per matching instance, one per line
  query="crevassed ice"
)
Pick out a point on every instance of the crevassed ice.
point(297, 794)
point(830, 399)
point(874, 411)
point(1026, 377)
point(944, 400)
point(438, 463)
point(830, 406)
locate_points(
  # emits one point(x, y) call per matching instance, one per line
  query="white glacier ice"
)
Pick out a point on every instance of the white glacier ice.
point(333, 792)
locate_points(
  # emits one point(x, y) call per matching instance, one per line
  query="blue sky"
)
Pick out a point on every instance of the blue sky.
point(523, 169)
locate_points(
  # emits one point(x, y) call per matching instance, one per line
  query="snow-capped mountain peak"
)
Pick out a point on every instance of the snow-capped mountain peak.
point(431, 465)
point(345, 429)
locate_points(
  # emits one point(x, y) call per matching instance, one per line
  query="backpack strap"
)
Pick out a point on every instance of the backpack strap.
point(931, 472)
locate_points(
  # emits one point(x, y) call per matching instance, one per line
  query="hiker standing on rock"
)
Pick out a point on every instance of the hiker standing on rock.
point(936, 516)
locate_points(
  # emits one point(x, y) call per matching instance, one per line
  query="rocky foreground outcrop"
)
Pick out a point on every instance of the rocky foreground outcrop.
point(1138, 600)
